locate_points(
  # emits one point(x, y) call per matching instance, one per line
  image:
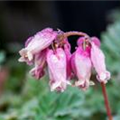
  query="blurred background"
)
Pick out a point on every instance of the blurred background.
point(24, 98)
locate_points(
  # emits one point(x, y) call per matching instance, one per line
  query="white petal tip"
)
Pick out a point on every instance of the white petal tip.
point(79, 82)
point(91, 83)
point(21, 59)
point(30, 56)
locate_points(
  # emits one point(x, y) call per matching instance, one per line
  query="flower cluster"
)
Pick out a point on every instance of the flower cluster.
point(50, 51)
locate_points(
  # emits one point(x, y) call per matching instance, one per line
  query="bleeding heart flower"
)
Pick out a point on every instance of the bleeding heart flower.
point(40, 62)
point(81, 65)
point(62, 65)
point(98, 60)
point(37, 43)
point(57, 69)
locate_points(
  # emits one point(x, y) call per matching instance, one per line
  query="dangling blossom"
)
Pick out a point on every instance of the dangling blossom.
point(98, 60)
point(40, 62)
point(37, 43)
point(81, 65)
point(51, 50)
point(56, 61)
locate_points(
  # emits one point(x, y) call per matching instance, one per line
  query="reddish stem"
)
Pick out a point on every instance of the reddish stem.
point(107, 105)
point(67, 34)
point(61, 36)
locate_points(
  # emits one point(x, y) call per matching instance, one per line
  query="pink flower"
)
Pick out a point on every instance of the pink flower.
point(98, 60)
point(40, 62)
point(37, 43)
point(57, 69)
point(81, 65)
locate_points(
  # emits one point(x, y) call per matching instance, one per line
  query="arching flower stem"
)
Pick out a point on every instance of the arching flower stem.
point(67, 34)
point(107, 105)
point(62, 35)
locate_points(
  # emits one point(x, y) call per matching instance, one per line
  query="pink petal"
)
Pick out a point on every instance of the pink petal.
point(96, 41)
point(37, 72)
point(98, 60)
point(57, 69)
point(80, 41)
point(37, 43)
point(40, 61)
point(28, 41)
point(81, 65)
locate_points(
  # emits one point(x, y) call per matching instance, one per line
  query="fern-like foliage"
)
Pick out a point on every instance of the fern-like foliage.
point(111, 45)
